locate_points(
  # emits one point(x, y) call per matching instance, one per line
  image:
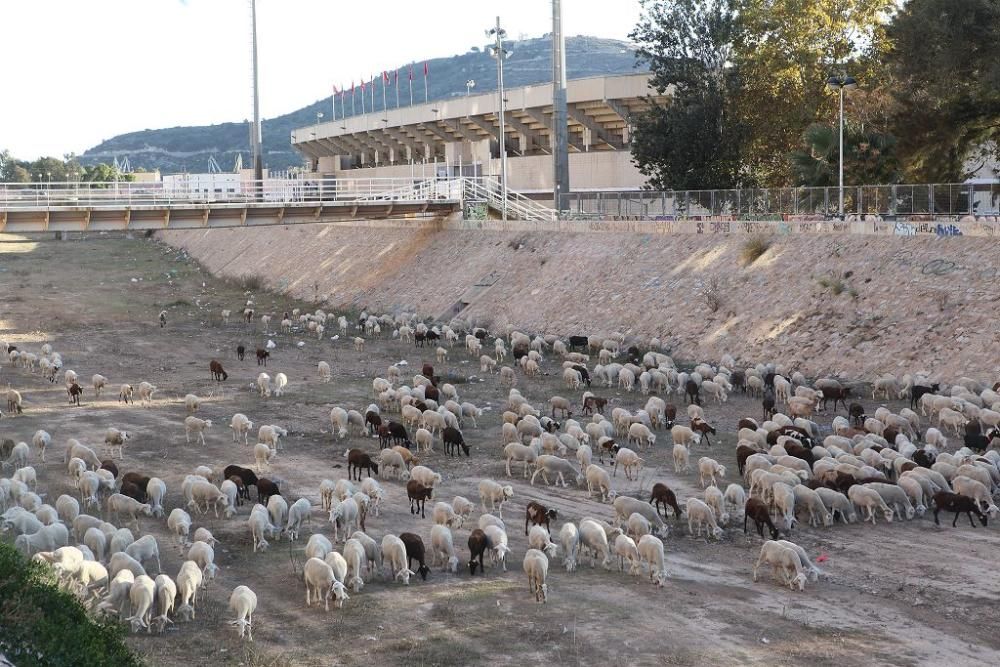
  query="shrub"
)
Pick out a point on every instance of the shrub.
point(40, 624)
point(251, 283)
point(753, 249)
point(835, 285)
point(712, 293)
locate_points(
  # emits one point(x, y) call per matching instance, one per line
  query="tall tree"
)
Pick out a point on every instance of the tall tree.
point(695, 140)
point(785, 51)
point(946, 79)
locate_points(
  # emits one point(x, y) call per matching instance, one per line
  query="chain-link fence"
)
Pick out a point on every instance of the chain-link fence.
point(937, 200)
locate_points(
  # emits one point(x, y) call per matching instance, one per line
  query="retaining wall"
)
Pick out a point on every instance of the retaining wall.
point(828, 297)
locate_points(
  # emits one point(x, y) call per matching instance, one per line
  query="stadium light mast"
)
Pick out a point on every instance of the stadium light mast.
point(500, 53)
point(255, 143)
point(560, 143)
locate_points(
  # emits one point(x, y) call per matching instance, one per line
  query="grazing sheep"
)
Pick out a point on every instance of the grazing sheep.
point(536, 566)
point(869, 499)
point(143, 590)
point(394, 555)
point(785, 563)
point(650, 549)
point(192, 403)
point(119, 504)
point(629, 461)
point(701, 515)
point(321, 583)
point(594, 539)
point(243, 603)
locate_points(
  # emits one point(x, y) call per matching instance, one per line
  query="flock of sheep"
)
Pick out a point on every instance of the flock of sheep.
point(790, 469)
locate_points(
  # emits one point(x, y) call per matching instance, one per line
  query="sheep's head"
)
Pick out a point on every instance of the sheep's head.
point(799, 580)
point(339, 593)
point(404, 575)
point(717, 533)
point(508, 492)
point(146, 510)
point(888, 513)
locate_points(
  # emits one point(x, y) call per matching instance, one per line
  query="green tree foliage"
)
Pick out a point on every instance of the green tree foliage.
point(695, 141)
point(785, 51)
point(945, 66)
point(869, 157)
point(40, 624)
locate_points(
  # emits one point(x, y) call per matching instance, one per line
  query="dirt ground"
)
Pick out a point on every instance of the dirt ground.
point(905, 593)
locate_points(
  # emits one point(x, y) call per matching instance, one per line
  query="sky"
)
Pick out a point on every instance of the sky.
point(87, 70)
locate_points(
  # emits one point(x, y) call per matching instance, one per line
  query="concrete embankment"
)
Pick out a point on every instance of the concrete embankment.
point(854, 303)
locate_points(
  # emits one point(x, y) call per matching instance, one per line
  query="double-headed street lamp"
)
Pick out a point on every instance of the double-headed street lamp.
point(841, 84)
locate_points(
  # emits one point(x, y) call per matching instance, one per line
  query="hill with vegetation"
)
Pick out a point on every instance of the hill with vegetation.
point(179, 149)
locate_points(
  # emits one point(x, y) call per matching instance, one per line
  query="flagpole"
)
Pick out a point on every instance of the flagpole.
point(373, 94)
point(385, 76)
point(411, 84)
point(425, 83)
point(363, 98)
point(354, 94)
point(396, 82)
point(334, 100)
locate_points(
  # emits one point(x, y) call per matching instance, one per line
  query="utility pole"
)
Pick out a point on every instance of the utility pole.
point(560, 143)
point(258, 164)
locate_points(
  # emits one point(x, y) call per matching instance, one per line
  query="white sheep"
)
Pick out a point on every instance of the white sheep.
point(264, 385)
point(203, 554)
point(785, 563)
point(324, 371)
point(425, 476)
point(142, 594)
point(271, 434)
point(318, 546)
point(701, 515)
point(630, 462)
point(321, 584)
point(243, 603)
point(143, 549)
point(496, 494)
point(569, 540)
point(394, 555)
point(870, 500)
point(240, 425)
point(179, 523)
point(195, 425)
point(189, 580)
point(443, 548)
point(345, 516)
point(650, 550)
point(41, 440)
point(192, 403)
point(536, 566)
point(262, 456)
point(204, 495)
point(68, 508)
point(598, 478)
point(709, 468)
point(95, 540)
point(280, 382)
point(260, 527)
point(299, 512)
point(119, 504)
point(146, 391)
point(594, 539)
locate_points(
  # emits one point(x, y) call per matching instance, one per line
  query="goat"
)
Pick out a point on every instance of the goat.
point(358, 460)
point(218, 373)
point(538, 514)
point(953, 502)
point(757, 510)
point(418, 495)
point(664, 495)
point(262, 357)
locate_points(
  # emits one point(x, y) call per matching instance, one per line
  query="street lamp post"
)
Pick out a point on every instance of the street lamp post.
point(469, 85)
point(841, 84)
point(500, 53)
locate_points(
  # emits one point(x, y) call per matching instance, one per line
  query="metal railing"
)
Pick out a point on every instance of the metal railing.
point(200, 192)
point(938, 199)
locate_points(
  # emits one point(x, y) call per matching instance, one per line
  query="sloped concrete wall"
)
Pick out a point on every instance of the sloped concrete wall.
point(859, 304)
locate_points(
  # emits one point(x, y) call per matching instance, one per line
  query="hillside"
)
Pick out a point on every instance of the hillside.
point(179, 149)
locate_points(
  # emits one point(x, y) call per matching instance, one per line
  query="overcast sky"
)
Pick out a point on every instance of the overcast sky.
point(81, 71)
